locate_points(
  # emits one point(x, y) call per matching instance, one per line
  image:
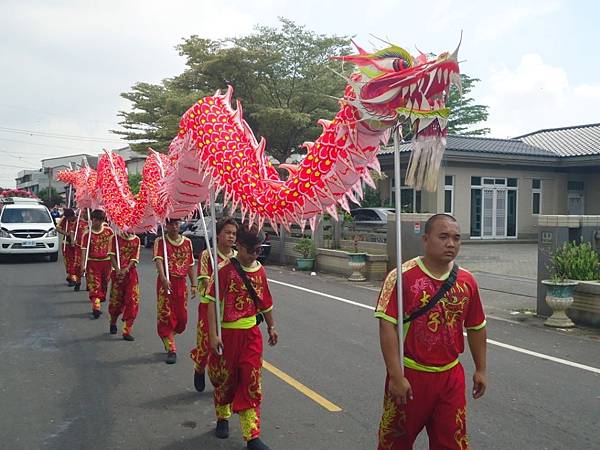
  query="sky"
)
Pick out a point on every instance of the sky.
point(64, 63)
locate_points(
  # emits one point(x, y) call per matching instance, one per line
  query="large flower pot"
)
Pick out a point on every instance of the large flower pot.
point(357, 263)
point(585, 309)
point(559, 296)
point(305, 263)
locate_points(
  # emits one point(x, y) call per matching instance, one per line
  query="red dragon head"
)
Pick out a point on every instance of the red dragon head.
point(391, 86)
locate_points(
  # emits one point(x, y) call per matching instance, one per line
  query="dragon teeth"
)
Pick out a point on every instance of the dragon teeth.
point(412, 88)
point(439, 76)
point(445, 75)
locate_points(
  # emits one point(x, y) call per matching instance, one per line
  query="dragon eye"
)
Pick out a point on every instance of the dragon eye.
point(399, 64)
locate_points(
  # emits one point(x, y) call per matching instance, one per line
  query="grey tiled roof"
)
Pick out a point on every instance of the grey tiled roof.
point(483, 145)
point(578, 140)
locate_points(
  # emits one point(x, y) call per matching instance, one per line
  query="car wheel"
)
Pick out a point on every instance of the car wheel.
point(53, 257)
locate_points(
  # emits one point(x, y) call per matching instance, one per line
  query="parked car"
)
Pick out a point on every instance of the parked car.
point(371, 216)
point(26, 227)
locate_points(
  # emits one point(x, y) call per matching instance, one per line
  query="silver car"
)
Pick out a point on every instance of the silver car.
point(371, 216)
point(26, 227)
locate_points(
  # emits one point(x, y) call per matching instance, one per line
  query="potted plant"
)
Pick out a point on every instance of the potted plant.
point(585, 269)
point(570, 263)
point(306, 248)
point(358, 259)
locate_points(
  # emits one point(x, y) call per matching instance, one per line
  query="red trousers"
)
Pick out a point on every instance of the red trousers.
point(200, 353)
point(171, 311)
point(98, 276)
point(439, 405)
point(236, 376)
point(72, 257)
point(124, 299)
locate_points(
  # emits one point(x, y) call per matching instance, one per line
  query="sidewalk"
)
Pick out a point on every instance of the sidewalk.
point(507, 278)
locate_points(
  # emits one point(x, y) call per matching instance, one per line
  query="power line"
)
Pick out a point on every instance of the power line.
point(69, 137)
point(39, 111)
point(17, 167)
point(45, 145)
point(14, 154)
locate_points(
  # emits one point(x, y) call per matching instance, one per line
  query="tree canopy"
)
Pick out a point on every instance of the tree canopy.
point(282, 77)
point(465, 113)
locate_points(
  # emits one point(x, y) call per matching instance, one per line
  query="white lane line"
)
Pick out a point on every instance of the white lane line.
point(491, 341)
point(542, 356)
point(322, 294)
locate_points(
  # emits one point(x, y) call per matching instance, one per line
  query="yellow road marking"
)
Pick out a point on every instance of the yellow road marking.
point(300, 387)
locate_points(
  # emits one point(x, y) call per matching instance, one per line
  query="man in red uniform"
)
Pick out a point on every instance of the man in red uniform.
point(235, 363)
point(226, 229)
point(66, 226)
point(97, 267)
point(430, 391)
point(172, 293)
point(125, 285)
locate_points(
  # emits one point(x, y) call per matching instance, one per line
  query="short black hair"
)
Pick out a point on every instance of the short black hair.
point(98, 214)
point(172, 220)
point(225, 221)
point(248, 237)
point(433, 219)
point(68, 213)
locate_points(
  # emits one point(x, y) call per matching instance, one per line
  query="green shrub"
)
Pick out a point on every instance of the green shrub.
point(306, 248)
point(576, 261)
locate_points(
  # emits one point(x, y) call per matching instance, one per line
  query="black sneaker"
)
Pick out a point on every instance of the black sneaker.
point(171, 358)
point(96, 313)
point(222, 430)
point(113, 329)
point(128, 337)
point(257, 444)
point(77, 287)
point(71, 283)
point(199, 382)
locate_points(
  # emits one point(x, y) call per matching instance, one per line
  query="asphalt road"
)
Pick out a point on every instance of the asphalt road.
point(65, 383)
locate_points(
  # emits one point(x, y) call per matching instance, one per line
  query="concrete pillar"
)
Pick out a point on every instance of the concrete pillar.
point(411, 232)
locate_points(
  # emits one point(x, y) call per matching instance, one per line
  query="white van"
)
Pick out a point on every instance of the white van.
point(26, 227)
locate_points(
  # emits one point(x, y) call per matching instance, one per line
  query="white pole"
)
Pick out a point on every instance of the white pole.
point(164, 239)
point(215, 266)
point(206, 241)
point(70, 188)
point(398, 199)
point(77, 224)
point(66, 231)
point(87, 250)
point(115, 231)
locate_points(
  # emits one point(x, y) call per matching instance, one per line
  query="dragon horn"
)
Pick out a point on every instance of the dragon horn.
point(454, 55)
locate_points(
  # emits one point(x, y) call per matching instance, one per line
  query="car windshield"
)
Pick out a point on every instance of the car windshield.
point(25, 215)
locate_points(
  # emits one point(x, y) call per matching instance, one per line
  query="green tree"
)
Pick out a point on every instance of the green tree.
point(49, 196)
point(154, 120)
point(281, 76)
point(134, 181)
point(466, 115)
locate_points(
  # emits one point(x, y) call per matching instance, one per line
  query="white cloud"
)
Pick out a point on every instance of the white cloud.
point(537, 95)
point(504, 17)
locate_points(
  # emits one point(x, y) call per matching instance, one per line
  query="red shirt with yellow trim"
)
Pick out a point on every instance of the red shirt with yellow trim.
point(129, 249)
point(100, 245)
point(67, 226)
point(81, 229)
point(205, 269)
point(179, 255)
point(436, 338)
point(237, 302)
